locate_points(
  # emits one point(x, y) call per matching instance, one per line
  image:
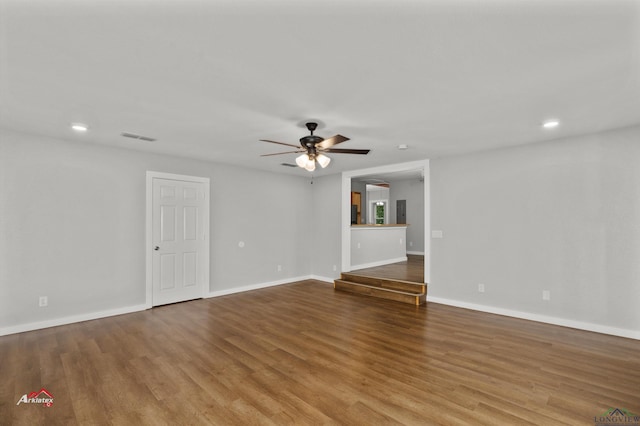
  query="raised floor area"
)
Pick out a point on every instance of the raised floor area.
point(400, 282)
point(412, 270)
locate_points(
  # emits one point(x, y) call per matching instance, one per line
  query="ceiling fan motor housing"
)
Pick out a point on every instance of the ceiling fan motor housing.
point(309, 142)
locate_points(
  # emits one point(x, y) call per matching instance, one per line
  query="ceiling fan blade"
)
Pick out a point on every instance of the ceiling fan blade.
point(280, 143)
point(334, 140)
point(280, 153)
point(346, 151)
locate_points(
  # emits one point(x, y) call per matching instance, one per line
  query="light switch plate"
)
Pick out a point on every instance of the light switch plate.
point(436, 234)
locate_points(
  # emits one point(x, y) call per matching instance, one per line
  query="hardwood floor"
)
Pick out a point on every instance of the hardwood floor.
point(411, 270)
point(304, 354)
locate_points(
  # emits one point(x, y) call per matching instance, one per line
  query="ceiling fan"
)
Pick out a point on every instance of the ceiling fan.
point(313, 148)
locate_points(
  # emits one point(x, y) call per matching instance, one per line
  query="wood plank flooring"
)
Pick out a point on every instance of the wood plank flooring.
point(411, 270)
point(302, 353)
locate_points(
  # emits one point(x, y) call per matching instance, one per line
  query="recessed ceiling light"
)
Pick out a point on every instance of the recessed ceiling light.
point(79, 127)
point(550, 124)
point(403, 146)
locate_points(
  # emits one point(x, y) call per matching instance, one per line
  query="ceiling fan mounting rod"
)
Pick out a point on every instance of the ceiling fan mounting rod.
point(311, 126)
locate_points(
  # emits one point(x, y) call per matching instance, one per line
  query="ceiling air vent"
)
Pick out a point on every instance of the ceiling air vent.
point(136, 136)
point(288, 165)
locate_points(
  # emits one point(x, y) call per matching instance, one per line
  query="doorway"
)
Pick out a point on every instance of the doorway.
point(402, 169)
point(177, 238)
point(401, 211)
point(378, 211)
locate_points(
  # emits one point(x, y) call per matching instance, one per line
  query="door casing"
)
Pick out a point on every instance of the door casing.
point(151, 175)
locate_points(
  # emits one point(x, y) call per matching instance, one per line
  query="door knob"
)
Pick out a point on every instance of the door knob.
point(156, 248)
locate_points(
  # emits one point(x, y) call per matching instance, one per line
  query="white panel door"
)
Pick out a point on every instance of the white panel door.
point(180, 240)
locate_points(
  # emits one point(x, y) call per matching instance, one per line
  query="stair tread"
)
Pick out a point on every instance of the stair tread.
point(380, 288)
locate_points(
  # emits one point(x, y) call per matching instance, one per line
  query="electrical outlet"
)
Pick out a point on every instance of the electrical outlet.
point(410, 243)
point(43, 301)
point(546, 295)
point(335, 268)
point(279, 268)
point(480, 288)
point(358, 245)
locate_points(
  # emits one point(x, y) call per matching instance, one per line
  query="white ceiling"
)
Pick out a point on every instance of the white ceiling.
point(208, 79)
point(391, 177)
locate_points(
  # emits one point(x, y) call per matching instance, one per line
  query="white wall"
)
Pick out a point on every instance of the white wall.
point(325, 227)
point(73, 226)
point(562, 216)
point(411, 190)
point(376, 246)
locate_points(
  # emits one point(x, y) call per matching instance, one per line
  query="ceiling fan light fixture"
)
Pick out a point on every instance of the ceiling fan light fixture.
point(311, 164)
point(301, 161)
point(323, 160)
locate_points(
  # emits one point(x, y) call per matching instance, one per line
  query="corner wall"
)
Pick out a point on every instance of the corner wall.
point(326, 227)
point(72, 228)
point(562, 216)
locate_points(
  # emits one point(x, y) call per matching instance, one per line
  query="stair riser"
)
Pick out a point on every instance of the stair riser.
point(417, 299)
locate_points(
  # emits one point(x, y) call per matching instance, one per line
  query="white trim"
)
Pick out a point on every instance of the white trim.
point(427, 221)
point(379, 263)
point(323, 279)
point(256, 286)
point(587, 326)
point(137, 308)
point(346, 208)
point(597, 328)
point(70, 320)
point(417, 253)
point(151, 175)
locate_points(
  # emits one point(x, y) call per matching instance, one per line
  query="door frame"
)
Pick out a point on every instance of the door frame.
point(151, 175)
point(346, 213)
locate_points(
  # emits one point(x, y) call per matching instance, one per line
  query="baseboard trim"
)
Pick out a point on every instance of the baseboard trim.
point(580, 325)
point(417, 253)
point(378, 263)
point(4, 331)
point(70, 320)
point(321, 278)
point(258, 286)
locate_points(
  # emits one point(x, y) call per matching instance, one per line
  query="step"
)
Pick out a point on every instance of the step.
point(393, 284)
point(412, 298)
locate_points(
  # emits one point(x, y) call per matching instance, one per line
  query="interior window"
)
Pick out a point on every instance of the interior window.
point(380, 206)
